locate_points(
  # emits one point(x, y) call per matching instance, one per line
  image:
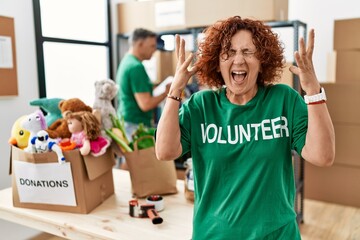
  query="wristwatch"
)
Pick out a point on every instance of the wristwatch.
point(321, 97)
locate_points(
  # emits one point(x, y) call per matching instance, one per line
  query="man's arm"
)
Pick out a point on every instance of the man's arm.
point(147, 102)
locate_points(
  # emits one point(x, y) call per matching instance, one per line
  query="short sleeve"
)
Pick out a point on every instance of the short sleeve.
point(140, 81)
point(300, 124)
point(185, 127)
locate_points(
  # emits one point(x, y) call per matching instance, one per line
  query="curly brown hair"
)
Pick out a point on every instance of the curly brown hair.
point(90, 124)
point(217, 41)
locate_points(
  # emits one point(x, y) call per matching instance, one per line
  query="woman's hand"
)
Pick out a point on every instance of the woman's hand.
point(319, 148)
point(183, 69)
point(305, 68)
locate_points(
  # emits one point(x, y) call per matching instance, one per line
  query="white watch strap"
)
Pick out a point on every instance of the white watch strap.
point(316, 98)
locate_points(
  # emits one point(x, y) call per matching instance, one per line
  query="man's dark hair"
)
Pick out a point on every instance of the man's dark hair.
point(139, 34)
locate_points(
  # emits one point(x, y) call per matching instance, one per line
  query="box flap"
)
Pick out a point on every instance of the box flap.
point(19, 154)
point(97, 166)
point(10, 166)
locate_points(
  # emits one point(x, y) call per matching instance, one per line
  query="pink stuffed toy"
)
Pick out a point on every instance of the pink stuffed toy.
point(85, 131)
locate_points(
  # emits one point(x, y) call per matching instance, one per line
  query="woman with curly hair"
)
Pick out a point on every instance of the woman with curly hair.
point(242, 134)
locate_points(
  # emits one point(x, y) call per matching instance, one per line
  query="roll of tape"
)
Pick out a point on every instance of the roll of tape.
point(134, 208)
point(157, 200)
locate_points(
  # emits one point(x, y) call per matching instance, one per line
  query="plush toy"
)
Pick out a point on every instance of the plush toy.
point(43, 143)
point(59, 129)
point(86, 133)
point(19, 135)
point(105, 91)
point(33, 123)
point(50, 107)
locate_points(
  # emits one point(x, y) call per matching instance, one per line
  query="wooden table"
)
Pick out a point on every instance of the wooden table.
point(110, 220)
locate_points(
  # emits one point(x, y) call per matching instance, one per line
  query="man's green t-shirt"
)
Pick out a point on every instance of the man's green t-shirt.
point(242, 162)
point(132, 78)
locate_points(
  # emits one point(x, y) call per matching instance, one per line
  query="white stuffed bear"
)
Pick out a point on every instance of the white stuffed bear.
point(105, 91)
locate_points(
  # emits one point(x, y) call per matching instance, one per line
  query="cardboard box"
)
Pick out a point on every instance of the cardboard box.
point(347, 34)
point(331, 67)
point(164, 65)
point(337, 184)
point(287, 77)
point(160, 66)
point(343, 66)
point(347, 144)
point(135, 14)
point(161, 15)
point(203, 12)
point(77, 186)
point(342, 102)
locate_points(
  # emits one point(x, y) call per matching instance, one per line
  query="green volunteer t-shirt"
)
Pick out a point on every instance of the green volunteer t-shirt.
point(132, 78)
point(242, 162)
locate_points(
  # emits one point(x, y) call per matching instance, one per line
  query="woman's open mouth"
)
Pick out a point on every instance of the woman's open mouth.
point(238, 76)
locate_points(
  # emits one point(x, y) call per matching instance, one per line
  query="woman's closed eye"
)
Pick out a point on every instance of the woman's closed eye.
point(246, 53)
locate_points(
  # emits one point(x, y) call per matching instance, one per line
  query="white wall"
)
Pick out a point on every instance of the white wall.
point(13, 107)
point(317, 14)
point(320, 15)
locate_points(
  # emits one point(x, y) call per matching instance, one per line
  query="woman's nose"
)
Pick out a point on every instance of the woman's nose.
point(239, 58)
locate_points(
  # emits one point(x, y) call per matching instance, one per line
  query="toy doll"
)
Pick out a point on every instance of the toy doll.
point(85, 131)
point(43, 143)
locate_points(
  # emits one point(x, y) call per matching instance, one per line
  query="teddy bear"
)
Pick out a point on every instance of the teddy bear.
point(105, 91)
point(59, 128)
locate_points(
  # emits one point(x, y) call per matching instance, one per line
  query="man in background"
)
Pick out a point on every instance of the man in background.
point(136, 102)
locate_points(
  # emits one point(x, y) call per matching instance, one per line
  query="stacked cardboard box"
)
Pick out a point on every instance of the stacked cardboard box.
point(343, 62)
point(287, 77)
point(339, 184)
point(160, 66)
point(164, 15)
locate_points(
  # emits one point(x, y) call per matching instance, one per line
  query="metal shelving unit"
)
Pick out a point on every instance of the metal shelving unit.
point(299, 163)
